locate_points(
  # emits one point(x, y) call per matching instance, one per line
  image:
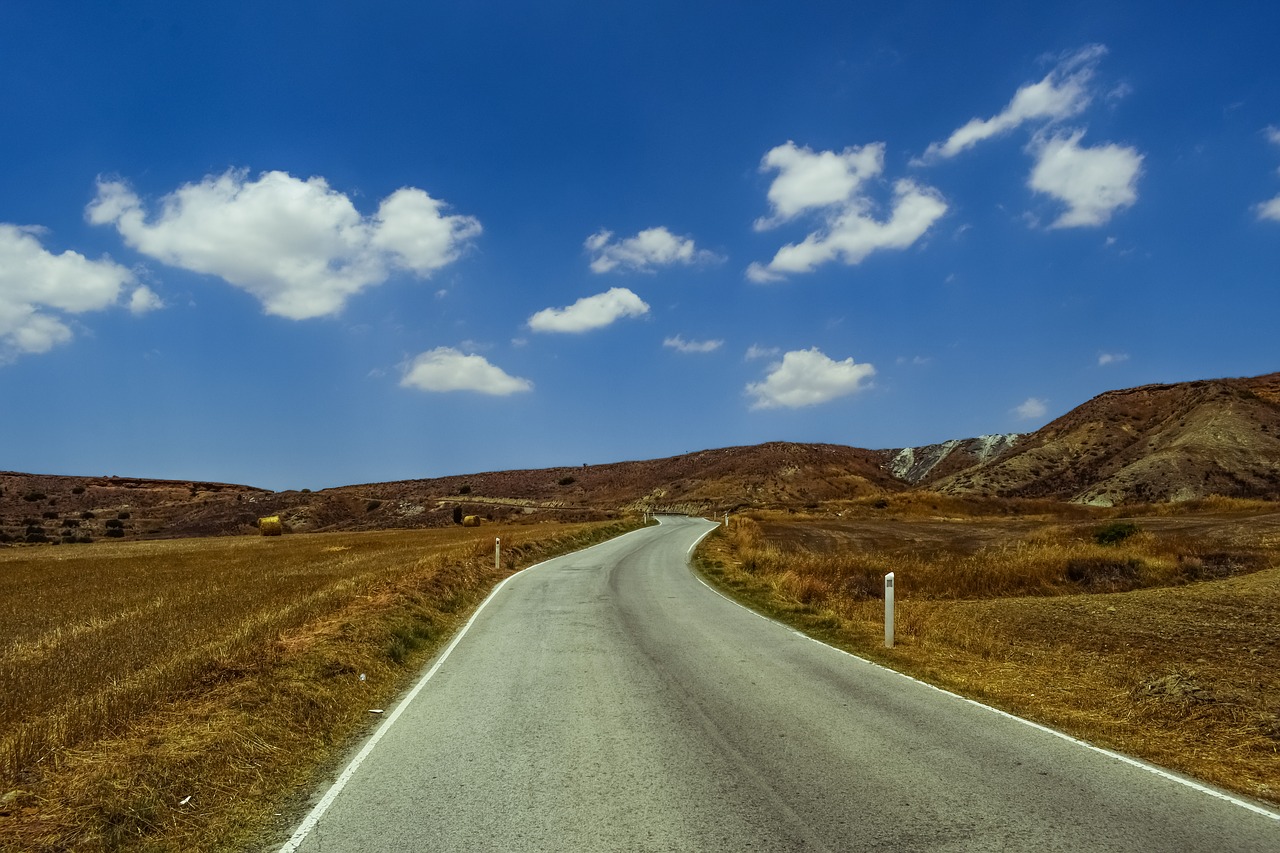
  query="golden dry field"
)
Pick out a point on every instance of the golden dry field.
point(168, 695)
point(1157, 635)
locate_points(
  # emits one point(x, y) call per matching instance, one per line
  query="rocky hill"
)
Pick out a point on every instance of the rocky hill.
point(928, 464)
point(1148, 444)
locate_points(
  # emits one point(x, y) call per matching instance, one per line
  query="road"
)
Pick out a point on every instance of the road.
point(608, 700)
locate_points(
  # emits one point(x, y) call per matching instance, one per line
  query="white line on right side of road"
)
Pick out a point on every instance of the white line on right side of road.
point(1133, 762)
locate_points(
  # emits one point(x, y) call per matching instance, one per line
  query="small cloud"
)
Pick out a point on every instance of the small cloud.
point(679, 344)
point(755, 351)
point(808, 378)
point(1093, 182)
point(652, 247)
point(1112, 358)
point(143, 301)
point(916, 361)
point(448, 369)
point(590, 312)
point(1268, 209)
point(1032, 408)
point(1273, 134)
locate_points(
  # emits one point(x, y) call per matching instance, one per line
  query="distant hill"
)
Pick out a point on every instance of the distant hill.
point(1148, 444)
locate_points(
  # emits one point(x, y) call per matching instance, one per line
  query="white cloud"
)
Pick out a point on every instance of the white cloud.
point(1273, 134)
point(1268, 209)
point(807, 378)
point(144, 301)
point(679, 344)
point(834, 186)
point(652, 247)
point(1112, 358)
point(36, 285)
point(1032, 408)
point(1063, 93)
point(299, 246)
point(755, 351)
point(1093, 182)
point(590, 312)
point(448, 369)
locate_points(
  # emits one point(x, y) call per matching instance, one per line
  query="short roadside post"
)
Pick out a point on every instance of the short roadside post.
point(888, 610)
point(497, 553)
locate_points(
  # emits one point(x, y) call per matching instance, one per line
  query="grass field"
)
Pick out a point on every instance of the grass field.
point(169, 695)
point(1163, 643)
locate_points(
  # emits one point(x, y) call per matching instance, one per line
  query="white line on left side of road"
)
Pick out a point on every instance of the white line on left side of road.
point(317, 812)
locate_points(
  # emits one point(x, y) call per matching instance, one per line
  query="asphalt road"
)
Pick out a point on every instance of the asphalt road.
point(607, 700)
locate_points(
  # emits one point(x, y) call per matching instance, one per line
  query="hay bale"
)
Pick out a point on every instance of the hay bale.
point(270, 526)
point(471, 521)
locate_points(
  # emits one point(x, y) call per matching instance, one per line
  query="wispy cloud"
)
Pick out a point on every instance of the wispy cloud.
point(651, 248)
point(679, 344)
point(1062, 94)
point(755, 351)
point(1032, 408)
point(590, 312)
point(834, 187)
point(448, 369)
point(808, 378)
point(301, 248)
point(1112, 358)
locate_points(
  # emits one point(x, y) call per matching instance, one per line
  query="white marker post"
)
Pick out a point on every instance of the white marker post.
point(888, 610)
point(497, 553)
point(726, 520)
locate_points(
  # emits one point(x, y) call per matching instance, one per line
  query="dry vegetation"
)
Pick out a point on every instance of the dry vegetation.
point(1157, 635)
point(173, 693)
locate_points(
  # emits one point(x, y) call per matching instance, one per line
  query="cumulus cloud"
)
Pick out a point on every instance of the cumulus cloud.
point(1032, 408)
point(1270, 209)
point(807, 378)
point(679, 344)
point(448, 369)
point(1112, 358)
point(834, 187)
point(301, 248)
point(652, 247)
point(590, 312)
point(1062, 94)
point(144, 300)
point(38, 287)
point(1093, 182)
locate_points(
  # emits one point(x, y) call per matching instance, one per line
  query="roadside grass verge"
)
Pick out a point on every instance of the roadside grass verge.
point(1163, 645)
point(168, 696)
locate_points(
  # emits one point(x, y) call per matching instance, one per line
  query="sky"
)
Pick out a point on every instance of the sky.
point(300, 245)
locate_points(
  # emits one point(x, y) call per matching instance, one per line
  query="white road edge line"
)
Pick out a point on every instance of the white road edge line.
point(1141, 765)
point(317, 812)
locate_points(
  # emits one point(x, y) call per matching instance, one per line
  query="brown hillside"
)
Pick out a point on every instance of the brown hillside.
point(1152, 443)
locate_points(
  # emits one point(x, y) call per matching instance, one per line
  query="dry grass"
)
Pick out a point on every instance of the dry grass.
point(1165, 645)
point(173, 693)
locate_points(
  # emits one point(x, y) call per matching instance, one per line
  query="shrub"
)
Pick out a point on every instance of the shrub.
point(49, 514)
point(464, 489)
point(78, 490)
point(114, 524)
point(122, 514)
point(1115, 532)
point(87, 516)
point(372, 505)
point(567, 481)
point(34, 496)
point(114, 532)
point(457, 515)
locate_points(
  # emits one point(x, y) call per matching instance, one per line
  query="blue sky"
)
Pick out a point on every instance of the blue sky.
point(311, 244)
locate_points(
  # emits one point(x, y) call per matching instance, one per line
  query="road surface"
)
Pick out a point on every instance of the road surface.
point(608, 700)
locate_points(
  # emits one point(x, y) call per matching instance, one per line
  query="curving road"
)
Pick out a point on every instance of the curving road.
point(608, 700)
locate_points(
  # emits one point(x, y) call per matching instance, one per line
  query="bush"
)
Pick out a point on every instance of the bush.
point(464, 489)
point(567, 481)
point(34, 496)
point(115, 532)
point(87, 516)
point(114, 524)
point(372, 505)
point(122, 514)
point(78, 490)
point(1115, 532)
point(49, 514)
point(457, 515)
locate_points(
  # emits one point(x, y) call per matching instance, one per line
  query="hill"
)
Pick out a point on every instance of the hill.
point(1148, 444)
